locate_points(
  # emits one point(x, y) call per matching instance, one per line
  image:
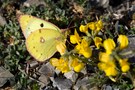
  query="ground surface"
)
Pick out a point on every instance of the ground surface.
point(23, 72)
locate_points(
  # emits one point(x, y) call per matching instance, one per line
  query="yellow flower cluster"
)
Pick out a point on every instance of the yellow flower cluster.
point(107, 64)
point(67, 65)
point(84, 49)
point(82, 46)
point(107, 60)
point(60, 64)
point(94, 26)
point(77, 65)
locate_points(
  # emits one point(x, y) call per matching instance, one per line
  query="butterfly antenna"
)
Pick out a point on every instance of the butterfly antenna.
point(70, 23)
point(68, 27)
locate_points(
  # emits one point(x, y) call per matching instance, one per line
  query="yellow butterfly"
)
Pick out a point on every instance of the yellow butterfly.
point(41, 37)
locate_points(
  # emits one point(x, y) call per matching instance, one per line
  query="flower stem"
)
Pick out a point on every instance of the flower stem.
point(128, 53)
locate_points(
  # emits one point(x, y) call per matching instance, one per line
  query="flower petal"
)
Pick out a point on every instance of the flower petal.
point(123, 40)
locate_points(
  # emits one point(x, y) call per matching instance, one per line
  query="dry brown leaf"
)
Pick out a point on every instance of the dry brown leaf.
point(77, 8)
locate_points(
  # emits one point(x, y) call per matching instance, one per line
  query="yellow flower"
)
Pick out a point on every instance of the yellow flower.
point(84, 49)
point(123, 41)
point(95, 25)
point(54, 61)
point(104, 57)
point(77, 66)
point(109, 45)
point(111, 71)
point(108, 68)
point(61, 47)
point(74, 62)
point(63, 65)
point(83, 28)
point(99, 25)
point(60, 64)
point(98, 42)
point(102, 66)
point(124, 65)
point(92, 25)
point(75, 38)
point(86, 52)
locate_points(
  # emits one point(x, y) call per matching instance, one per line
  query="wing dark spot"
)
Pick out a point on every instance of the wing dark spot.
point(42, 25)
point(36, 50)
point(34, 47)
point(39, 30)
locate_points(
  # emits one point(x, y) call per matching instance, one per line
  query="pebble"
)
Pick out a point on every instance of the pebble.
point(71, 75)
point(130, 47)
point(62, 83)
point(44, 81)
point(33, 63)
point(5, 76)
point(2, 21)
point(29, 3)
point(82, 83)
point(107, 87)
point(100, 3)
point(47, 70)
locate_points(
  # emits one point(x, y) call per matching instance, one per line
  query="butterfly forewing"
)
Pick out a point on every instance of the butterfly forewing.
point(30, 23)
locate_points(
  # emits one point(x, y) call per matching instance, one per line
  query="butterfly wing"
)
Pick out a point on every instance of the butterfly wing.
point(41, 43)
point(30, 23)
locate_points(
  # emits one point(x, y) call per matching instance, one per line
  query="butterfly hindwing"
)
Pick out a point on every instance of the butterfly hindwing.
point(41, 43)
